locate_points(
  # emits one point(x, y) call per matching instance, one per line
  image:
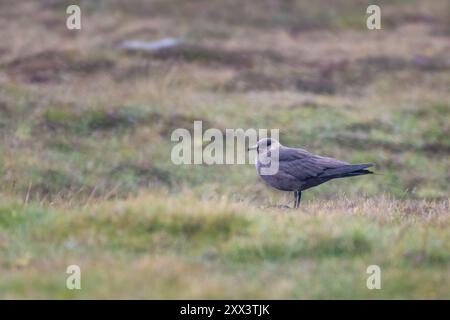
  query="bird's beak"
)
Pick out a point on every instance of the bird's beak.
point(253, 147)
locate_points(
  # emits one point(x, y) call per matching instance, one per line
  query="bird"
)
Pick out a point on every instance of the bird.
point(298, 169)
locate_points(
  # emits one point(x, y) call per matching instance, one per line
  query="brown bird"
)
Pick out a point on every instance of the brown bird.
point(298, 169)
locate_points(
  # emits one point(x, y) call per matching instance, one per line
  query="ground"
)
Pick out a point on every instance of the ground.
point(85, 170)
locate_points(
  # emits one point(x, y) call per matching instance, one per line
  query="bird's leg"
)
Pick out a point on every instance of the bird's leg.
point(298, 197)
point(295, 199)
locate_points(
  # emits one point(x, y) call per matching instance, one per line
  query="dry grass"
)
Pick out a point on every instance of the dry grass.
point(84, 124)
point(149, 247)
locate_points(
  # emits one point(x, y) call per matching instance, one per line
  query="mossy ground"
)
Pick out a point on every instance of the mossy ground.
point(152, 247)
point(85, 170)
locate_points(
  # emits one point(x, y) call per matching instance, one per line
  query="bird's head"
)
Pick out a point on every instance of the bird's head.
point(264, 145)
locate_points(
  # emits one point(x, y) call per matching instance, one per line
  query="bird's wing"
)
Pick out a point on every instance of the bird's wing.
point(304, 165)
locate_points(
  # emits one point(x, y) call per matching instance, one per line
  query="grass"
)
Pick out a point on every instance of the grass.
point(85, 169)
point(148, 247)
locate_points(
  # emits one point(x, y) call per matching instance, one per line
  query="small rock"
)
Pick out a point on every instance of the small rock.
point(151, 46)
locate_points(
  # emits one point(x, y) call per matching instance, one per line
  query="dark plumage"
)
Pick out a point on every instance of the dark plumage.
point(299, 170)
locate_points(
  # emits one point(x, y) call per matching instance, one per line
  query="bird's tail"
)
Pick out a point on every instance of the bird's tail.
point(350, 170)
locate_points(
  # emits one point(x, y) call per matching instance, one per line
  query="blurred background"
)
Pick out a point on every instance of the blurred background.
point(86, 118)
point(81, 115)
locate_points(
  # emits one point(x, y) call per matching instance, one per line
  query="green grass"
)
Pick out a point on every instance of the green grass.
point(148, 247)
point(84, 124)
